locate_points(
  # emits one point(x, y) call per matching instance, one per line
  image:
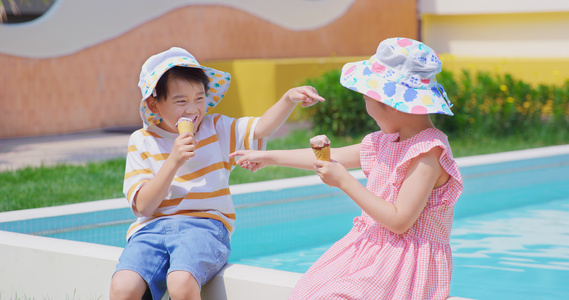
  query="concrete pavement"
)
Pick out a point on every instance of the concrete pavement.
point(73, 148)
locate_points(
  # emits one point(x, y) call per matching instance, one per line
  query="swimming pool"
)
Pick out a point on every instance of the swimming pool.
point(509, 240)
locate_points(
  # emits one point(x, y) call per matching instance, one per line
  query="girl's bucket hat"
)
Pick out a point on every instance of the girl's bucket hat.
point(158, 64)
point(402, 75)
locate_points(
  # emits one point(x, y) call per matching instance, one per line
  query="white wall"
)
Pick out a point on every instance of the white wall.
point(72, 25)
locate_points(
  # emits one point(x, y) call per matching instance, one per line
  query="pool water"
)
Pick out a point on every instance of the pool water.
point(510, 237)
point(522, 251)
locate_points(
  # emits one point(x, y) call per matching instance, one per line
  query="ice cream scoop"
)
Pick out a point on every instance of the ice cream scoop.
point(321, 146)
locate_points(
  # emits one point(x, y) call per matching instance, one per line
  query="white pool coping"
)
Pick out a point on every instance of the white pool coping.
point(40, 267)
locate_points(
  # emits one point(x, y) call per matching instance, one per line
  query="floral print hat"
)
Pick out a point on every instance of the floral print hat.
point(402, 75)
point(158, 64)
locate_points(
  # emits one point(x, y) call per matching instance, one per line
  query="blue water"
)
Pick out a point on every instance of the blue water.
point(522, 251)
point(510, 237)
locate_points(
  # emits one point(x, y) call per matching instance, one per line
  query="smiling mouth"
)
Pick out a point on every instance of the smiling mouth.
point(194, 119)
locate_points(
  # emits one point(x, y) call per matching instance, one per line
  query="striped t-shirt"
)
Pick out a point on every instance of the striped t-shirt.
point(201, 186)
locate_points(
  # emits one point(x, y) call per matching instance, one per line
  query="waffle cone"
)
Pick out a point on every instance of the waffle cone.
point(322, 153)
point(186, 126)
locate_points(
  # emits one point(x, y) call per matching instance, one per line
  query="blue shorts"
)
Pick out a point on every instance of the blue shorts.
point(196, 245)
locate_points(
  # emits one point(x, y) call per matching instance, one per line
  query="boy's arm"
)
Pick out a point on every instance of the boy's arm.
point(255, 160)
point(348, 156)
point(277, 114)
point(151, 194)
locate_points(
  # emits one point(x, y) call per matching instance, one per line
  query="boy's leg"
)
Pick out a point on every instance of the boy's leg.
point(199, 248)
point(127, 284)
point(183, 285)
point(144, 258)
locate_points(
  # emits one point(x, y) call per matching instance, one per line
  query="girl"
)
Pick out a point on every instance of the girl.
point(399, 246)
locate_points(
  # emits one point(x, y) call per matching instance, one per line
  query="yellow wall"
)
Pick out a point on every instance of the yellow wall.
point(530, 70)
point(256, 84)
point(524, 35)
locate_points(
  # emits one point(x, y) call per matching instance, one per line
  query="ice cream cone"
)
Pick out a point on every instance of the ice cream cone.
point(322, 153)
point(185, 125)
point(321, 147)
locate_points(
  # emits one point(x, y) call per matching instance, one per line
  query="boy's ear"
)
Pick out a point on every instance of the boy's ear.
point(151, 103)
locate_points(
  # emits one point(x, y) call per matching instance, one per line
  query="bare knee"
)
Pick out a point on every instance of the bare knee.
point(182, 285)
point(127, 284)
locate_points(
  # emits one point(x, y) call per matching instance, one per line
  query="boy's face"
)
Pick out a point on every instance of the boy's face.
point(185, 99)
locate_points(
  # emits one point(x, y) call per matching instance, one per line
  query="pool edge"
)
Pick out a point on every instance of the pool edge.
point(64, 269)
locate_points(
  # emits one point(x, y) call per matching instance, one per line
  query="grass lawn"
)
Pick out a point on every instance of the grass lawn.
point(65, 184)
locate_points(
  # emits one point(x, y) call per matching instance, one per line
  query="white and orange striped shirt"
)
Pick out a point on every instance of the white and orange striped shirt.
point(201, 186)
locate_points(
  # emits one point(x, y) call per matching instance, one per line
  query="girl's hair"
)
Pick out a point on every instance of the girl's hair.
point(194, 75)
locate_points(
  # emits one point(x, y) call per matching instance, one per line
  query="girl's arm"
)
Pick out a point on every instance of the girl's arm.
point(348, 156)
point(423, 175)
point(275, 116)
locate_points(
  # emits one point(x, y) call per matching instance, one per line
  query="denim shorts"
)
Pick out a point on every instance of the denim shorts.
point(196, 245)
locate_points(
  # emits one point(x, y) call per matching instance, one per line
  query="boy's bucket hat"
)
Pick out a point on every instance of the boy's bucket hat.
point(402, 75)
point(158, 64)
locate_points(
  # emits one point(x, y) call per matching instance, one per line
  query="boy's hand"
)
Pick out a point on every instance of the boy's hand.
point(251, 160)
point(331, 173)
point(307, 95)
point(184, 149)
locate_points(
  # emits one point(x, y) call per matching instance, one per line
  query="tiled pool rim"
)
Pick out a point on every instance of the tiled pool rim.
point(40, 266)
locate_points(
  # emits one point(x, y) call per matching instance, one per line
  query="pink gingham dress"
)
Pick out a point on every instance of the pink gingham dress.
point(371, 262)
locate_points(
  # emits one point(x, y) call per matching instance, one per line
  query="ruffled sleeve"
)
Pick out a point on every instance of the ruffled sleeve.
point(447, 194)
point(368, 152)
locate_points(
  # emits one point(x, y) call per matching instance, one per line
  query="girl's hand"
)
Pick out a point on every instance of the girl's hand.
point(307, 95)
point(331, 173)
point(251, 160)
point(184, 149)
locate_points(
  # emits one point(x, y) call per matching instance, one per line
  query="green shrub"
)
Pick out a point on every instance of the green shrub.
point(502, 106)
point(343, 113)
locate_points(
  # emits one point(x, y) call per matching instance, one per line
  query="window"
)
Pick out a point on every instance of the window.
point(20, 11)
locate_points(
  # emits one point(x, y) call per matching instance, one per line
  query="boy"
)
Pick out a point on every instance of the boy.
point(179, 187)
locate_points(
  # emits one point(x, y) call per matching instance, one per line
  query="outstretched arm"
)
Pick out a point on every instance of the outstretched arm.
point(277, 114)
point(298, 158)
point(255, 160)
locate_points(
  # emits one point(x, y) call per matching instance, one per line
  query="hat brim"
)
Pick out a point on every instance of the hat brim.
point(359, 77)
point(218, 85)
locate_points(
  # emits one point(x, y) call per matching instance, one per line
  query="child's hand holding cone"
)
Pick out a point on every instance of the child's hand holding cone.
point(186, 125)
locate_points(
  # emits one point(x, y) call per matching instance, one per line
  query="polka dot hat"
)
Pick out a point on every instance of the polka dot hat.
point(158, 64)
point(402, 75)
